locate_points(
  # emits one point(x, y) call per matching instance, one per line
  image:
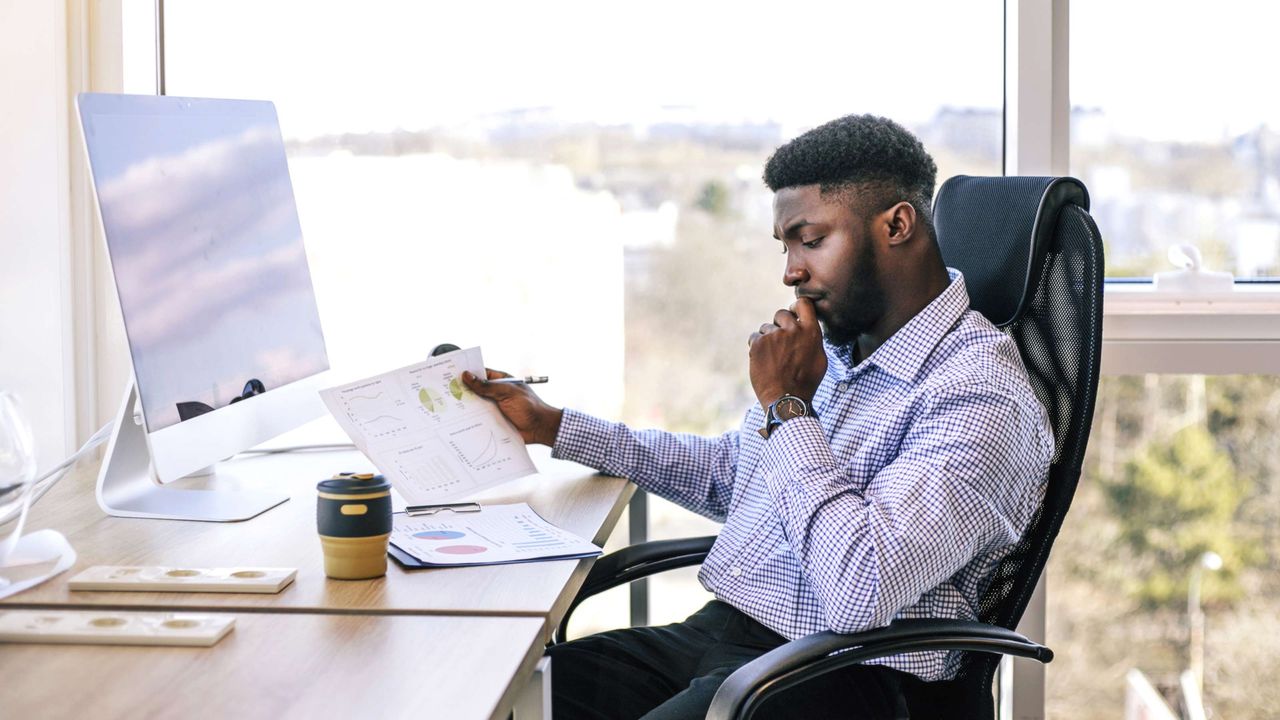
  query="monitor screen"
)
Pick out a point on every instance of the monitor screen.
point(206, 249)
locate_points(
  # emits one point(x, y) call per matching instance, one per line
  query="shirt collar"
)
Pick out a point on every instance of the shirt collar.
point(905, 351)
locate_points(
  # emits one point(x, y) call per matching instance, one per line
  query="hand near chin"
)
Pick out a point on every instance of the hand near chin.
point(787, 357)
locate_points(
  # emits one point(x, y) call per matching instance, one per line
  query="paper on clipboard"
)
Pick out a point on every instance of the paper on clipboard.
point(496, 534)
point(431, 437)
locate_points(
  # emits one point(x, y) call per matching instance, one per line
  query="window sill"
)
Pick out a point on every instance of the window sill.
point(1145, 331)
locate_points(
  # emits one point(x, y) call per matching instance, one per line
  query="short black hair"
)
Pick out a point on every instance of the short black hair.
point(871, 161)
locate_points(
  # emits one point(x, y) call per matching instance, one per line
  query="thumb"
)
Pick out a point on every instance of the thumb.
point(478, 386)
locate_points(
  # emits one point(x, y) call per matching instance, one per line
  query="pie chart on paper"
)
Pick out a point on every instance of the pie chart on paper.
point(462, 549)
point(439, 535)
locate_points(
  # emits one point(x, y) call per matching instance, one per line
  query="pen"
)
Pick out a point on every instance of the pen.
point(527, 380)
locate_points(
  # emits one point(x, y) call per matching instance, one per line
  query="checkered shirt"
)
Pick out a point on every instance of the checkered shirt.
point(923, 466)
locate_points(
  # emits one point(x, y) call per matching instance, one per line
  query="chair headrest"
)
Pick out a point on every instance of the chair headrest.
point(997, 230)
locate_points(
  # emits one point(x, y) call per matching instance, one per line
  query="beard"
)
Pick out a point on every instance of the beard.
point(847, 324)
point(861, 305)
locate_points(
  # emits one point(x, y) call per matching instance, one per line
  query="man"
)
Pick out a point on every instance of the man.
point(896, 453)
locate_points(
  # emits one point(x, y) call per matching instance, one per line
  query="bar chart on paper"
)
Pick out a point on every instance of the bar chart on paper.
point(433, 438)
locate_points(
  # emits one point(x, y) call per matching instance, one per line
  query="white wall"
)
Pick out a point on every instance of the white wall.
point(35, 302)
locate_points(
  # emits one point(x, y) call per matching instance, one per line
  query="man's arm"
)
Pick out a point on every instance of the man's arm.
point(694, 472)
point(969, 477)
point(691, 471)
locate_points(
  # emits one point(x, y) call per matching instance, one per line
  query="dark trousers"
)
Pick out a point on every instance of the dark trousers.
point(669, 672)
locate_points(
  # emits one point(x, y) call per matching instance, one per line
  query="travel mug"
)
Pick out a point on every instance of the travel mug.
point(353, 516)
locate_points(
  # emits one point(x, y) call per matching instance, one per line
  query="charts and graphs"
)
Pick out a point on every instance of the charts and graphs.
point(376, 411)
point(439, 388)
point(496, 534)
point(481, 448)
point(433, 438)
point(439, 535)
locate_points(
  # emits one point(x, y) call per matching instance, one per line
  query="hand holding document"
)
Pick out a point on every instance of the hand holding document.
point(423, 429)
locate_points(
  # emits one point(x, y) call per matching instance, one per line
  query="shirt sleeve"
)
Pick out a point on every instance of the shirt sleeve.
point(691, 471)
point(969, 476)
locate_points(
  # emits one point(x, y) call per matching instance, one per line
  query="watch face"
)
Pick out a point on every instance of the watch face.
point(789, 407)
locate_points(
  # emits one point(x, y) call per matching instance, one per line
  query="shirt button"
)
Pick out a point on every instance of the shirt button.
point(842, 387)
point(735, 571)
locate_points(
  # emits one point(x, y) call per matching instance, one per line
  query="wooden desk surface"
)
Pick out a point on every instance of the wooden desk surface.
point(568, 495)
point(285, 666)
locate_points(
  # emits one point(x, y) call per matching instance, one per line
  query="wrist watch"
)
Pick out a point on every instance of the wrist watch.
point(781, 410)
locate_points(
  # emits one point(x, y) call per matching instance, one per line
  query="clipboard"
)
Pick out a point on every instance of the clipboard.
point(464, 507)
point(467, 535)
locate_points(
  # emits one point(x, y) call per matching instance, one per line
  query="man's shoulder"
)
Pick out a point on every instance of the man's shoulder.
point(977, 373)
point(976, 354)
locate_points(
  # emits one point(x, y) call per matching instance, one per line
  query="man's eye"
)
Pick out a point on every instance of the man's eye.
point(812, 243)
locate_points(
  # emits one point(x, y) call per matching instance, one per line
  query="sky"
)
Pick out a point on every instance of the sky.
point(1160, 70)
point(419, 64)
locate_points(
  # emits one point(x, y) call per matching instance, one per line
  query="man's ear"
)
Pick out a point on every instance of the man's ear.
point(901, 223)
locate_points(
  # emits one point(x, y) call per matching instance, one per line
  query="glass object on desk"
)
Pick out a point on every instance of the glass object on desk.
point(17, 470)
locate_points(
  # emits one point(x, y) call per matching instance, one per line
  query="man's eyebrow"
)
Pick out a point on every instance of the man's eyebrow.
point(794, 226)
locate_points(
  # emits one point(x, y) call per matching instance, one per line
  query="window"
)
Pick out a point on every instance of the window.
point(1179, 143)
point(1177, 147)
point(576, 187)
point(1178, 466)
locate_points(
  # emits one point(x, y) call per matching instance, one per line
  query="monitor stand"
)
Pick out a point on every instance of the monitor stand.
point(127, 487)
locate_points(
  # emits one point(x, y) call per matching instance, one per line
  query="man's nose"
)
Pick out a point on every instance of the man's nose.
point(794, 274)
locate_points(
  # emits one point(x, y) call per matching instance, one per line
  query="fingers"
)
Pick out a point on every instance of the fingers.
point(765, 329)
point(495, 374)
point(804, 311)
point(784, 319)
point(482, 387)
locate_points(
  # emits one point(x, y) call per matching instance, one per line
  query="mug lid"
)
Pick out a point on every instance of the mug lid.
point(354, 484)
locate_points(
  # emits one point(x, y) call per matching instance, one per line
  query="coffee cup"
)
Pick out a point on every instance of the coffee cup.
point(353, 517)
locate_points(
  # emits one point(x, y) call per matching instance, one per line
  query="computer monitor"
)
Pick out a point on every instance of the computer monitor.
point(223, 330)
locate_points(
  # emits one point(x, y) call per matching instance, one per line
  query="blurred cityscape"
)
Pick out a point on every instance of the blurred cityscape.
point(631, 261)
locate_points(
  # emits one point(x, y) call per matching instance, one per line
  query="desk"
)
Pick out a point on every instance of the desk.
point(292, 651)
point(285, 666)
point(568, 495)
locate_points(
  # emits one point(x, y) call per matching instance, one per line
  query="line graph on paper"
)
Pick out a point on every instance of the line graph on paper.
point(478, 447)
point(376, 411)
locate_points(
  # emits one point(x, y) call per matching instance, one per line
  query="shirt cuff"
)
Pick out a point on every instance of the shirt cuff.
point(796, 448)
point(582, 439)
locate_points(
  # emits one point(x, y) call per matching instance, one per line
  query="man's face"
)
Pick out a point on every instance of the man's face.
point(830, 259)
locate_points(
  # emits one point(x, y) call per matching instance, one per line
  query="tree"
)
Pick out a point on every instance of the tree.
point(714, 198)
point(1176, 498)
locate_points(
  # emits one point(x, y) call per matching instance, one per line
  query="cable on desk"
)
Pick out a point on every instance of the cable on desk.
point(45, 483)
point(324, 447)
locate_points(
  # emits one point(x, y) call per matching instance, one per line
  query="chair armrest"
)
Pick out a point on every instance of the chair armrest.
point(635, 562)
point(810, 656)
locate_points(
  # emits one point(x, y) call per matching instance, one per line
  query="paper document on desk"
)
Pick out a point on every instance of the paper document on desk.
point(432, 438)
point(496, 534)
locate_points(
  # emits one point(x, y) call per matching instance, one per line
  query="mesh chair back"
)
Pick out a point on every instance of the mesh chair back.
point(1032, 260)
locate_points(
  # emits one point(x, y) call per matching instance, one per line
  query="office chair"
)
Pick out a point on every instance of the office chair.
point(1032, 260)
